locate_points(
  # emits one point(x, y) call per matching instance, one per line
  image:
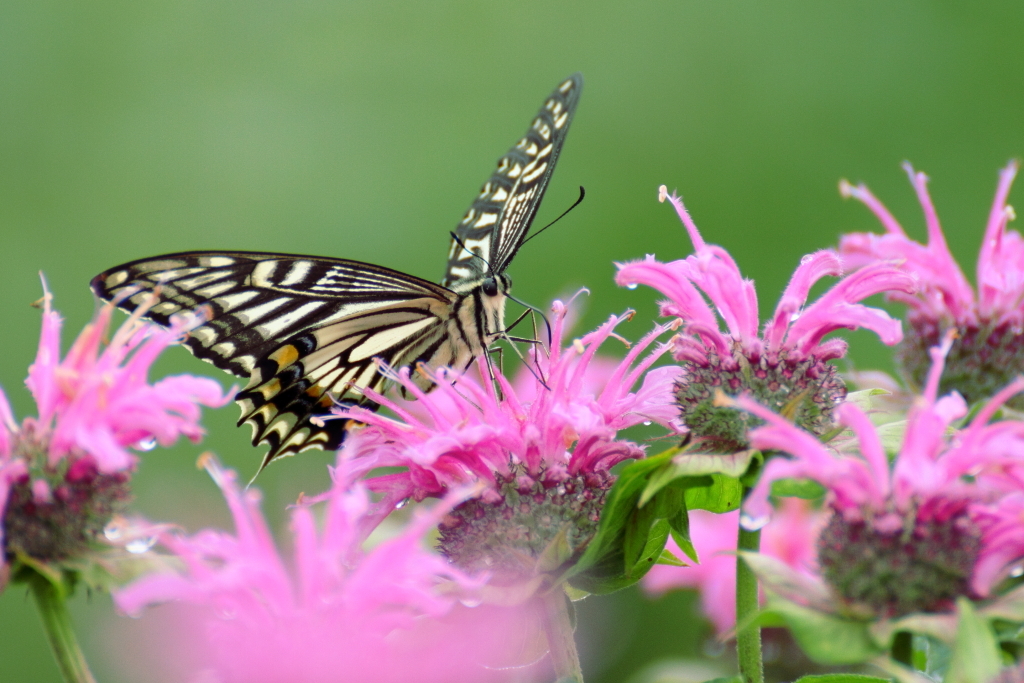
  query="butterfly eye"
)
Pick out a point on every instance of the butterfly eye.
point(490, 287)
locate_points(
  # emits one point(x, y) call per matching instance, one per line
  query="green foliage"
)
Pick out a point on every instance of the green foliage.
point(649, 502)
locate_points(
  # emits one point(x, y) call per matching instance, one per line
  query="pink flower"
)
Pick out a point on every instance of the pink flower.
point(64, 473)
point(335, 612)
point(552, 438)
point(790, 536)
point(989, 351)
point(788, 359)
point(921, 514)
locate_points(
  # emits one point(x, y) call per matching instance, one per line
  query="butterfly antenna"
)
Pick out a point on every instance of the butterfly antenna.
point(463, 245)
point(583, 193)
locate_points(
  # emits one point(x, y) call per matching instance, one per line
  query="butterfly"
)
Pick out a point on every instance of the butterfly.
point(310, 332)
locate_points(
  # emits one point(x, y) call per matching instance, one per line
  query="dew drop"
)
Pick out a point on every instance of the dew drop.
point(140, 545)
point(113, 531)
point(806, 259)
point(401, 504)
point(1017, 571)
point(752, 523)
point(647, 423)
point(632, 285)
point(471, 602)
point(147, 444)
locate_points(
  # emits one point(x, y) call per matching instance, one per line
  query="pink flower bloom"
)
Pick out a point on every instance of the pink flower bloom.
point(922, 503)
point(789, 358)
point(466, 432)
point(790, 536)
point(989, 351)
point(339, 613)
point(554, 441)
point(94, 404)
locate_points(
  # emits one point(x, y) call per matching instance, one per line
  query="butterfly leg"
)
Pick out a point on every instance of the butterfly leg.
point(490, 368)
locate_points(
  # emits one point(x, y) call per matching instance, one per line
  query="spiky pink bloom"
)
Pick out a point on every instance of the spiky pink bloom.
point(934, 502)
point(552, 438)
point(466, 432)
point(333, 611)
point(989, 351)
point(63, 473)
point(790, 536)
point(789, 358)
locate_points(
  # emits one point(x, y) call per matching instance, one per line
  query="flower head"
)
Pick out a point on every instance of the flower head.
point(64, 473)
point(336, 612)
point(989, 351)
point(789, 536)
point(786, 365)
point(543, 449)
point(915, 535)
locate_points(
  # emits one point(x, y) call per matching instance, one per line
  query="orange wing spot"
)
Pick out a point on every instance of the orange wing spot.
point(284, 356)
point(270, 389)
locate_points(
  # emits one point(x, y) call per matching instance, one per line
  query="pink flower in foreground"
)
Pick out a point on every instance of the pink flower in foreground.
point(64, 473)
point(790, 536)
point(914, 535)
point(787, 361)
point(989, 350)
point(335, 612)
point(543, 450)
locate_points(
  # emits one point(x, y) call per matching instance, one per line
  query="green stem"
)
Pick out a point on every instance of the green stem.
point(53, 609)
point(561, 642)
point(748, 641)
point(903, 648)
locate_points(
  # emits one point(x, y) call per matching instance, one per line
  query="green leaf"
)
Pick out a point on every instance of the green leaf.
point(669, 558)
point(685, 464)
point(730, 679)
point(940, 627)
point(637, 530)
point(1009, 607)
point(723, 495)
point(786, 582)
point(841, 678)
point(865, 398)
point(891, 436)
point(824, 638)
point(807, 489)
point(976, 657)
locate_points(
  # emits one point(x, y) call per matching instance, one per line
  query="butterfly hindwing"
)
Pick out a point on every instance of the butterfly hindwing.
point(497, 222)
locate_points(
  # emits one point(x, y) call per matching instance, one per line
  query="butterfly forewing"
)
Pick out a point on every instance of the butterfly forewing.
point(496, 224)
point(270, 318)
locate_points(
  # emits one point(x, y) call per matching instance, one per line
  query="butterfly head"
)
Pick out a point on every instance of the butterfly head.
point(496, 285)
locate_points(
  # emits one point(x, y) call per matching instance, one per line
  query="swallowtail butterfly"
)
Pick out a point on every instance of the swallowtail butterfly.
point(306, 330)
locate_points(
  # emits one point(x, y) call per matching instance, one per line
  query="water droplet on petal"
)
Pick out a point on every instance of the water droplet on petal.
point(147, 444)
point(751, 523)
point(631, 285)
point(647, 423)
point(806, 259)
point(401, 504)
point(140, 545)
point(114, 530)
point(1017, 571)
point(471, 602)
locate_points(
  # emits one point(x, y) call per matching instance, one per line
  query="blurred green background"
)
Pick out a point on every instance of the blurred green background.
point(363, 130)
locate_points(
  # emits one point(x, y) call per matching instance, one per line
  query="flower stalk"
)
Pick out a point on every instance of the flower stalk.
point(53, 610)
point(561, 641)
point(748, 638)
